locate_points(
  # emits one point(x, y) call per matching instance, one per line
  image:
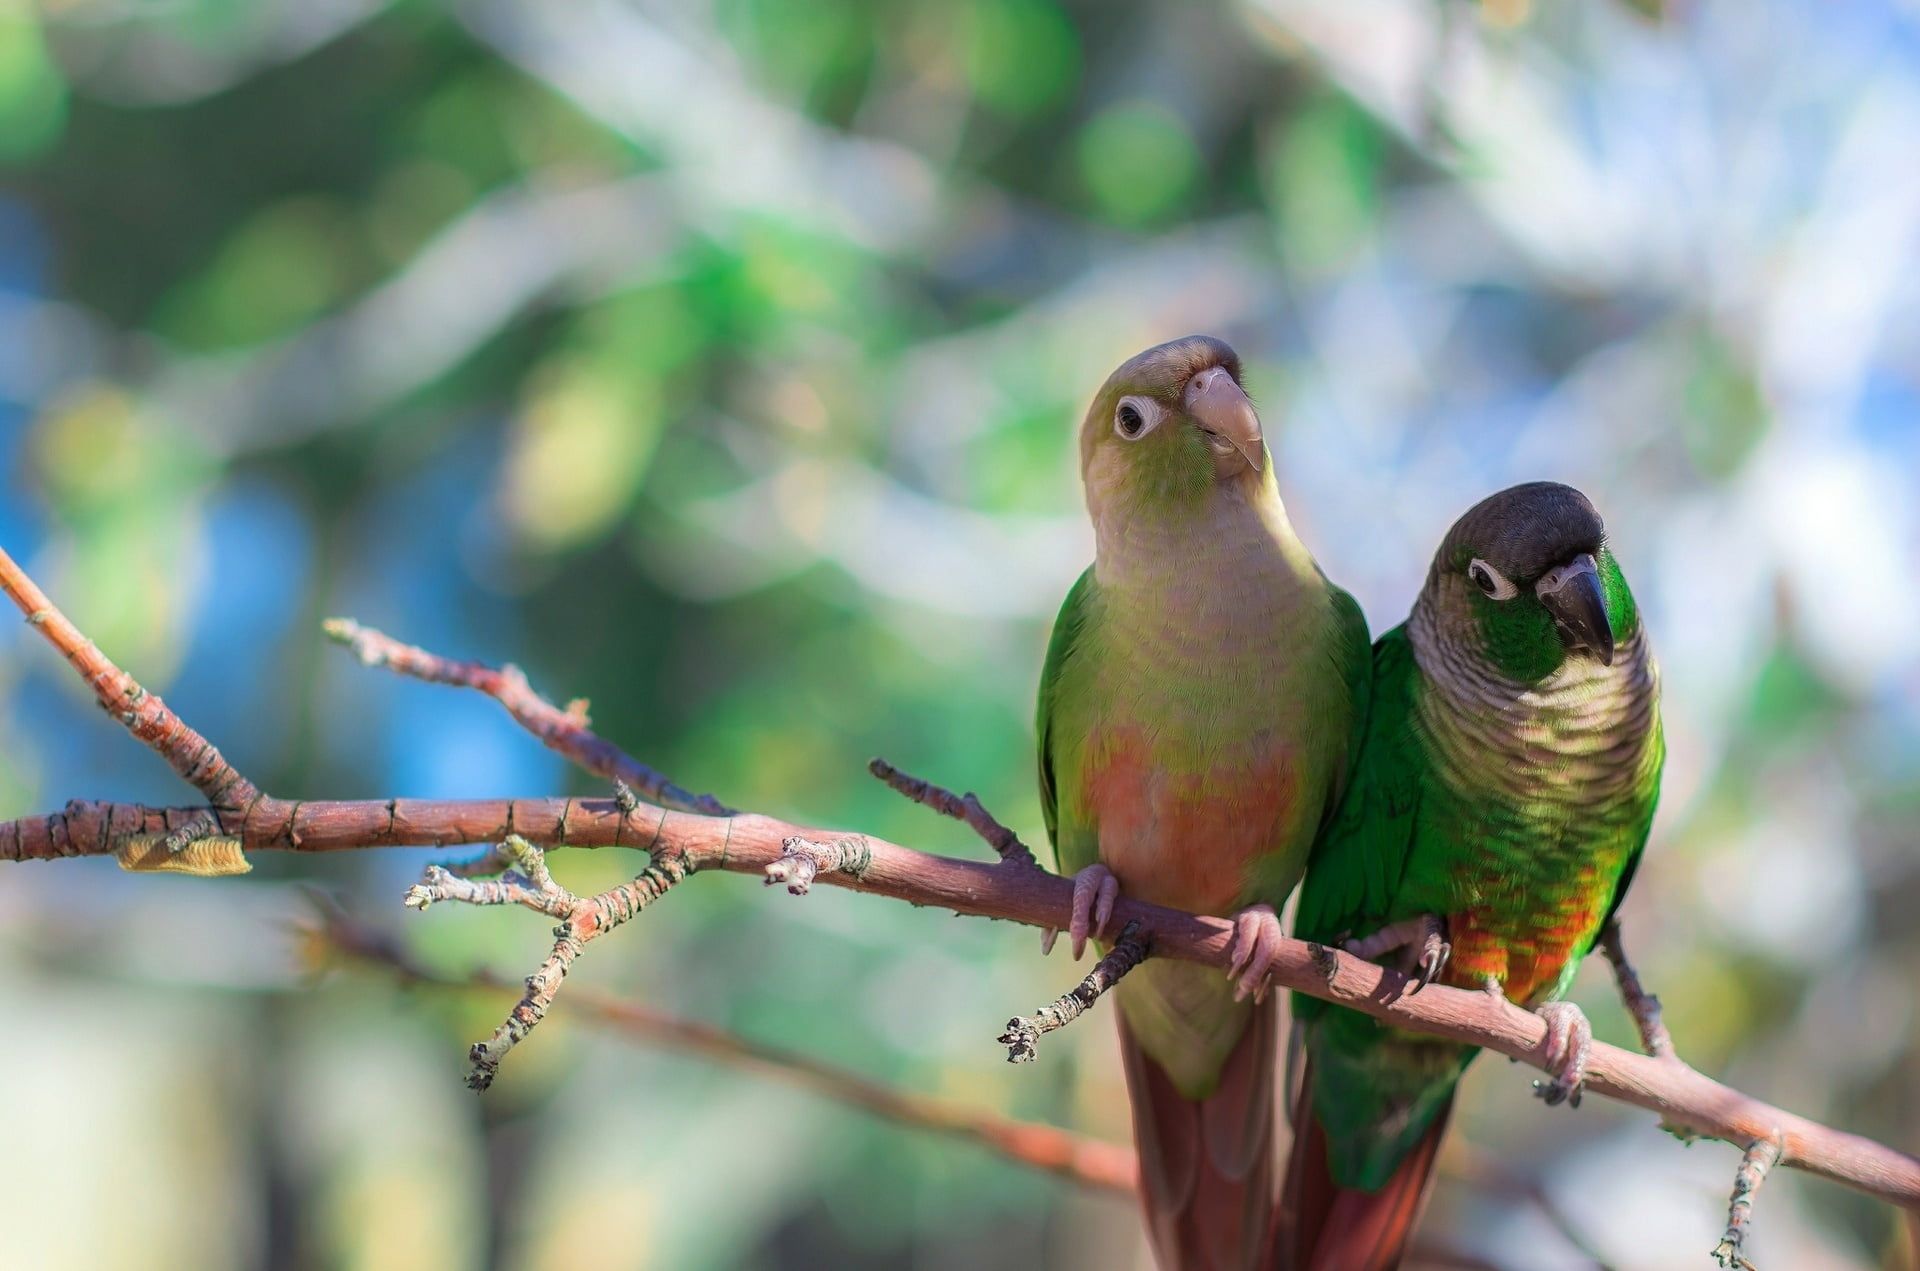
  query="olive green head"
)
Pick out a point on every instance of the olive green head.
point(1170, 425)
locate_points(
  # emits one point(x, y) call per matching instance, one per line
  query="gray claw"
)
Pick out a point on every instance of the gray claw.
point(1435, 952)
point(1569, 1040)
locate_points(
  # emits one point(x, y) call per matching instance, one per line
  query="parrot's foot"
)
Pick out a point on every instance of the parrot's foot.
point(1569, 1041)
point(1256, 941)
point(1424, 939)
point(1095, 891)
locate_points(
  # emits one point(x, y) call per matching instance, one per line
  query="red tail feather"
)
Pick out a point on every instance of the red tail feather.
point(1206, 1166)
point(1326, 1227)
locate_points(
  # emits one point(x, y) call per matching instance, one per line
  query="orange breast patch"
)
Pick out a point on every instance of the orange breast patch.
point(1527, 954)
point(1189, 838)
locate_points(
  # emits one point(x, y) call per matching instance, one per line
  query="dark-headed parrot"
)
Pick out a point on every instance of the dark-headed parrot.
point(1505, 786)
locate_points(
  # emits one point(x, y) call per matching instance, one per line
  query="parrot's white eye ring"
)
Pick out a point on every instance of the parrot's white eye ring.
point(1135, 417)
point(1491, 581)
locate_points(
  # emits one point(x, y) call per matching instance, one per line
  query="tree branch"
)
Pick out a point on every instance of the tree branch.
point(749, 843)
point(192, 756)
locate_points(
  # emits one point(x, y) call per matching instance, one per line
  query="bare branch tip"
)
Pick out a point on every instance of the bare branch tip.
point(965, 808)
point(529, 883)
point(1761, 1156)
point(1023, 1033)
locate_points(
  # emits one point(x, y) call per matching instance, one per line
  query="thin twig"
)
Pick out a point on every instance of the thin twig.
point(1089, 1162)
point(961, 807)
point(748, 843)
point(143, 714)
point(1022, 1038)
point(1642, 1005)
point(566, 730)
point(1762, 1155)
point(582, 920)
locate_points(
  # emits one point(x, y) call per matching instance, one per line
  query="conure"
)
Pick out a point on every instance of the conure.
point(1505, 786)
point(1198, 712)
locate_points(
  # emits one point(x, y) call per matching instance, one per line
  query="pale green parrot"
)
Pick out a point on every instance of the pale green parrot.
point(1201, 699)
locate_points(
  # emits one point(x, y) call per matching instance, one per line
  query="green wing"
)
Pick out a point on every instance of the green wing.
point(1644, 829)
point(1354, 662)
point(1359, 858)
point(1376, 1092)
point(1067, 630)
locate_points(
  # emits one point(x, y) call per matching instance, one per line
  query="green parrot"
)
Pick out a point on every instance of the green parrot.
point(1198, 712)
point(1506, 782)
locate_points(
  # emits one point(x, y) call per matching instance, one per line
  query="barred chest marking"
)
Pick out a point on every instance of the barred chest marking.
point(1550, 784)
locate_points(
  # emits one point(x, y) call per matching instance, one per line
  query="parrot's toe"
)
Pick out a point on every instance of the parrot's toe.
point(1095, 892)
point(1424, 939)
point(1256, 942)
point(1569, 1041)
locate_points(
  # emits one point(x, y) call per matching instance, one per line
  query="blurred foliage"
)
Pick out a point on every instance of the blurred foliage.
point(719, 362)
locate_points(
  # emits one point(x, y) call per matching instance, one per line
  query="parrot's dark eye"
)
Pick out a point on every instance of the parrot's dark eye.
point(1490, 580)
point(1135, 417)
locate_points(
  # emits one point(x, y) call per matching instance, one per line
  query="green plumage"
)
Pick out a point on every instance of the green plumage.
point(1197, 713)
point(1506, 784)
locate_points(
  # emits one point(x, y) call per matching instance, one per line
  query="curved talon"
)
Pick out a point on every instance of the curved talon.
point(1435, 952)
point(1569, 1041)
point(1424, 939)
point(1250, 954)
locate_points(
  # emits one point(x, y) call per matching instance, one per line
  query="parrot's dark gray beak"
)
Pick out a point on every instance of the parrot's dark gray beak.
point(1573, 595)
point(1221, 410)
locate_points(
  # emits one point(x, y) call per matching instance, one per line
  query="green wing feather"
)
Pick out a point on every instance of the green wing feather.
point(1353, 658)
point(1067, 631)
point(1358, 860)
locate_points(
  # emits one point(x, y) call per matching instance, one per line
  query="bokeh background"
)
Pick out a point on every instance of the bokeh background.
point(719, 362)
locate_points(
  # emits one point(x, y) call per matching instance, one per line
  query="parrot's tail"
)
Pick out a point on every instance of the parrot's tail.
point(1326, 1227)
point(1206, 1165)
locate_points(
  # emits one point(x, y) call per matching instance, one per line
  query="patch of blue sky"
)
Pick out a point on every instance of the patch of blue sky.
point(403, 574)
point(243, 644)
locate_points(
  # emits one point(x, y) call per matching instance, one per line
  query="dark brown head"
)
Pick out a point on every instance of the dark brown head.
point(1532, 565)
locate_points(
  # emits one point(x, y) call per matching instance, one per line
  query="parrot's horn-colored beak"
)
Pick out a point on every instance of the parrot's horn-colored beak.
point(1221, 409)
point(1573, 595)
